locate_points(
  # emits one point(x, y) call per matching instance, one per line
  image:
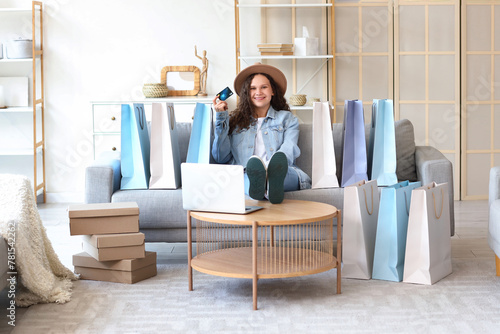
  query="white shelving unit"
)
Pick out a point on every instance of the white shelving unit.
point(16, 60)
point(22, 136)
point(16, 109)
point(246, 57)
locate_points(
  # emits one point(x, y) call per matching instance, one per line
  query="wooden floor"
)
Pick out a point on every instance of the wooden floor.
point(469, 242)
point(471, 231)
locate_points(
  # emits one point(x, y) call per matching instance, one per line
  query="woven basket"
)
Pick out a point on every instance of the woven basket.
point(154, 90)
point(298, 99)
point(310, 101)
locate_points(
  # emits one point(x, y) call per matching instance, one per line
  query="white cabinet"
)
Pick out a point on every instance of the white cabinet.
point(22, 143)
point(106, 118)
point(275, 21)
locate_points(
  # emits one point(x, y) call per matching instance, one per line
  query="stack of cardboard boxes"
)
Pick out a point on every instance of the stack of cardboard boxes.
point(113, 247)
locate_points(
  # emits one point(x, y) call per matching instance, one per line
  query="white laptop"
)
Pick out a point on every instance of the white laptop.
point(214, 188)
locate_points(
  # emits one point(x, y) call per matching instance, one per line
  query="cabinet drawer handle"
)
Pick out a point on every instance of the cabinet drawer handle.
point(113, 118)
point(114, 148)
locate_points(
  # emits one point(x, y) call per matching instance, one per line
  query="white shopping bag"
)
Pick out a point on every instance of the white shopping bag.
point(361, 205)
point(324, 167)
point(165, 157)
point(428, 243)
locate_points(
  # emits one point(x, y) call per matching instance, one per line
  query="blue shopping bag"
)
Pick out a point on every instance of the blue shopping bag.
point(354, 161)
point(201, 135)
point(382, 145)
point(135, 148)
point(392, 228)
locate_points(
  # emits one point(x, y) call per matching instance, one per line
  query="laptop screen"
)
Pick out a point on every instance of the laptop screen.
point(213, 187)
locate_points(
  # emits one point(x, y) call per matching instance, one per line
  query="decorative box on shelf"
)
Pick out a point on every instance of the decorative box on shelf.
point(275, 49)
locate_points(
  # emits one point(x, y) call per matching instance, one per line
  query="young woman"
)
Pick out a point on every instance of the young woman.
point(260, 132)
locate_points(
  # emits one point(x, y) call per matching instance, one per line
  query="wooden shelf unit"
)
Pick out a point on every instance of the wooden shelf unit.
point(37, 107)
point(327, 27)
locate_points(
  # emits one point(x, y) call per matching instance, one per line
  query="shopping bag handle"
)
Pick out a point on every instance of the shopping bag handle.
point(171, 116)
point(442, 204)
point(366, 201)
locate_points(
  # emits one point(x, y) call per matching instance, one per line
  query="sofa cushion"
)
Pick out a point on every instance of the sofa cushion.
point(332, 196)
point(304, 161)
point(305, 145)
point(405, 147)
point(183, 135)
point(158, 208)
point(405, 151)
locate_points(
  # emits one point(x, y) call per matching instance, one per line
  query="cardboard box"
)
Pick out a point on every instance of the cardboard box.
point(114, 253)
point(115, 240)
point(103, 218)
point(104, 225)
point(103, 209)
point(85, 260)
point(117, 276)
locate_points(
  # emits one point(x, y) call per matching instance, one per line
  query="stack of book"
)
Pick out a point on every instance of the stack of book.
point(275, 49)
point(113, 247)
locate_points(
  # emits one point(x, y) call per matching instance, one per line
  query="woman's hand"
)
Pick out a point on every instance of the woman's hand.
point(219, 105)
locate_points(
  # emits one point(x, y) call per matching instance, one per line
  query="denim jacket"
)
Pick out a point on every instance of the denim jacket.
point(280, 132)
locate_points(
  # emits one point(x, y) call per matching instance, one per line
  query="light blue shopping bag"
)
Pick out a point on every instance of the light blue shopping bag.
point(382, 145)
point(201, 135)
point(354, 162)
point(392, 227)
point(135, 147)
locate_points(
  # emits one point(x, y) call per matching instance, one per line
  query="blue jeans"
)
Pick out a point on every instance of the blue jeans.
point(291, 181)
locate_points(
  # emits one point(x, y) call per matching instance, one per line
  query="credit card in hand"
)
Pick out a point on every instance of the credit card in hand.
point(224, 94)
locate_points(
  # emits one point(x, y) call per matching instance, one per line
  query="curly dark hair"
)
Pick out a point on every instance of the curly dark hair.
point(244, 115)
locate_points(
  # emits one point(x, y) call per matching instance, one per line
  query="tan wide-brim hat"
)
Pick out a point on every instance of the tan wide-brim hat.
point(272, 71)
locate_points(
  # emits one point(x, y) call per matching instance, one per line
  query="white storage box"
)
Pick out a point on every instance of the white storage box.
point(19, 49)
point(305, 45)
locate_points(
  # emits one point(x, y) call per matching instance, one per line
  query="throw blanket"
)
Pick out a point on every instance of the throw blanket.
point(42, 278)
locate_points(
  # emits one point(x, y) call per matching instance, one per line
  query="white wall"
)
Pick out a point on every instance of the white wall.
point(106, 50)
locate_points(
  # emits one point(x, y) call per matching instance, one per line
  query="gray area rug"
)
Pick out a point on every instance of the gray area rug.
point(467, 301)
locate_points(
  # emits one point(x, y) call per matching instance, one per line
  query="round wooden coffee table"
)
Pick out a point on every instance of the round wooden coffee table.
point(294, 238)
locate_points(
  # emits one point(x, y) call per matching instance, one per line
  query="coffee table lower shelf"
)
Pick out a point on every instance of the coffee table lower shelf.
point(271, 262)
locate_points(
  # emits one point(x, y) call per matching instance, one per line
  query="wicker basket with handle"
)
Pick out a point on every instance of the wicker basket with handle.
point(154, 90)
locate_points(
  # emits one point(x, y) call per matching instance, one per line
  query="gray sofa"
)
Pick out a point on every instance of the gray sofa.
point(162, 218)
point(494, 215)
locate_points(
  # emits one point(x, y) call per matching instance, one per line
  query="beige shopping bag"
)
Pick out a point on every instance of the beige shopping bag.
point(324, 167)
point(165, 157)
point(361, 206)
point(428, 243)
